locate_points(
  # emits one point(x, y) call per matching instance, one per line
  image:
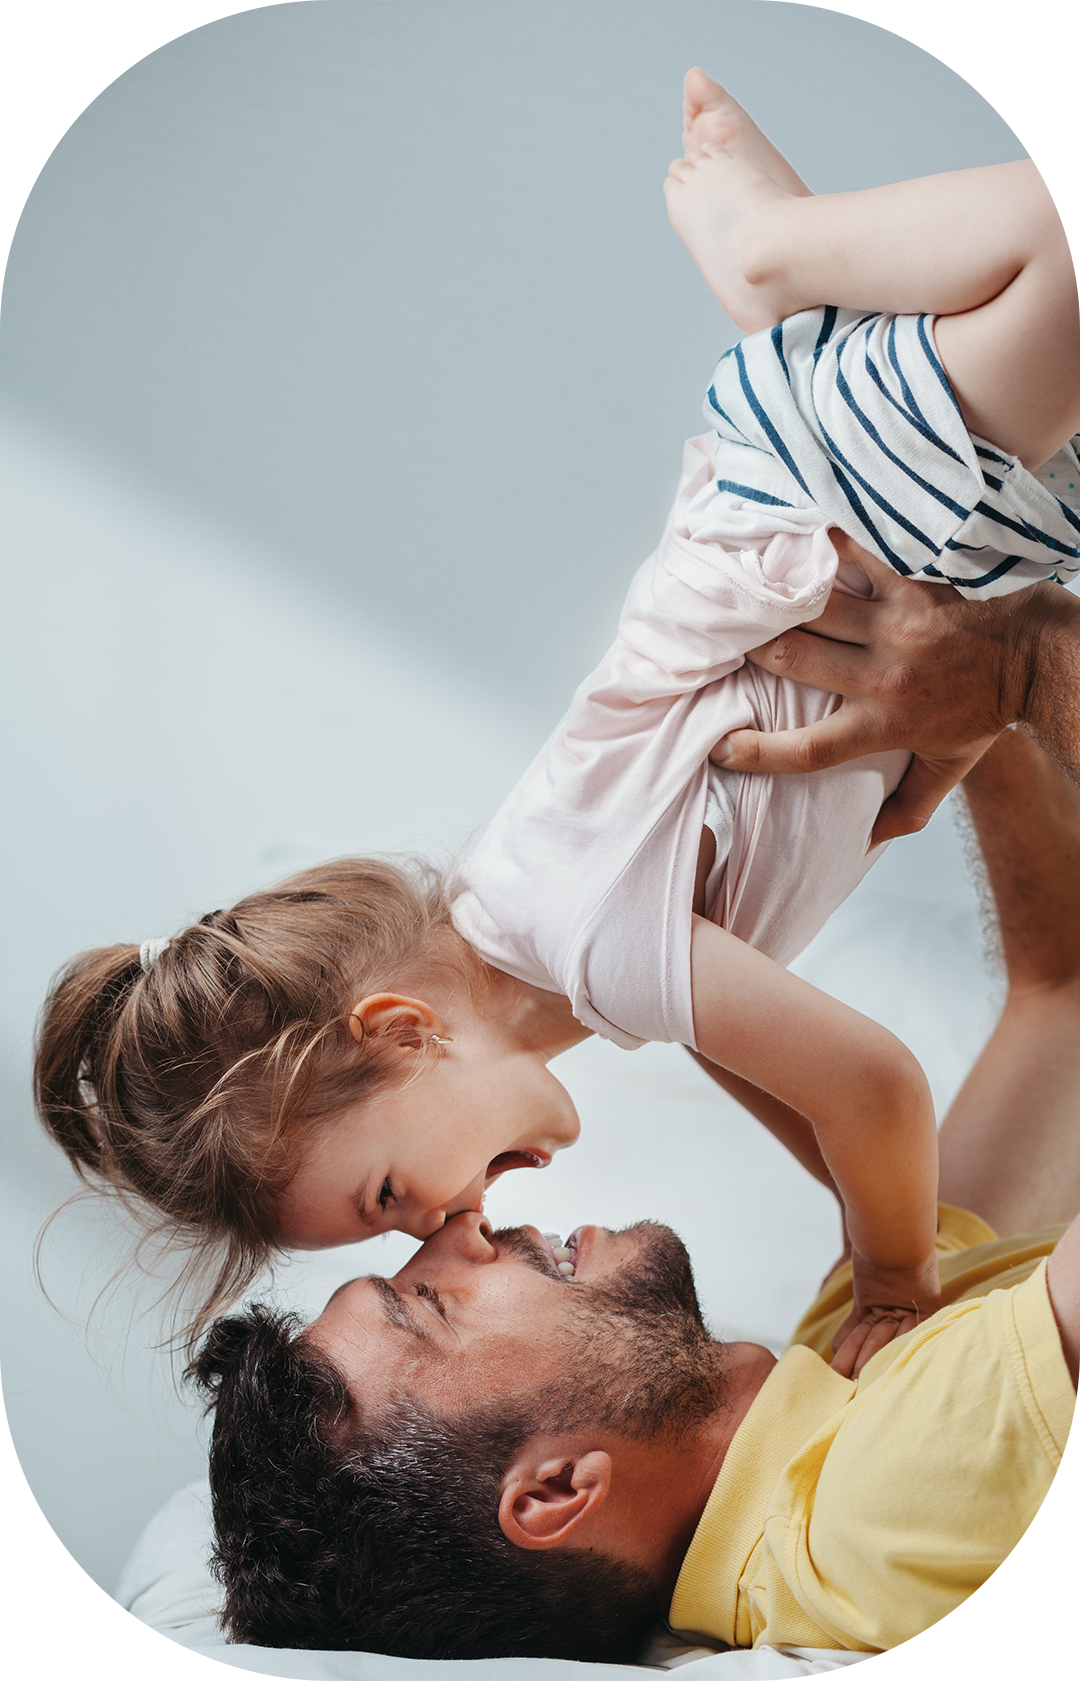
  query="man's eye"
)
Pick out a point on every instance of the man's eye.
point(386, 1193)
point(428, 1293)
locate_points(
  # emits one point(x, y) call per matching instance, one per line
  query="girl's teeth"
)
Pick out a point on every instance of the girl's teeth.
point(566, 1268)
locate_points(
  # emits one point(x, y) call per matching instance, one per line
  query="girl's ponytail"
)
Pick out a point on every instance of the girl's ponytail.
point(77, 1023)
point(181, 1085)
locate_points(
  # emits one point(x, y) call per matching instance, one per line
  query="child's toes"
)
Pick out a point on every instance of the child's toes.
point(713, 129)
point(700, 92)
point(707, 157)
point(681, 170)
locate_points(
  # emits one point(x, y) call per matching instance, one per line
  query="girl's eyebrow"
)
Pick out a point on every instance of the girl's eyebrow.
point(360, 1201)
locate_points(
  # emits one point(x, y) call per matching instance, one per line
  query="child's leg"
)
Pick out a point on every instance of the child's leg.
point(983, 249)
point(1010, 1145)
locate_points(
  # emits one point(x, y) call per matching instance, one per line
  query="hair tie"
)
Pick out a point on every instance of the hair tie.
point(151, 950)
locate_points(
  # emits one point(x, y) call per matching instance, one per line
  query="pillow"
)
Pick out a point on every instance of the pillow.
point(167, 1584)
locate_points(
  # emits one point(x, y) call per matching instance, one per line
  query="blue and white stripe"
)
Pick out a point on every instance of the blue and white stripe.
point(854, 414)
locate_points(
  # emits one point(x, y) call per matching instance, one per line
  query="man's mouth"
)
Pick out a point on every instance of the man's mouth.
point(565, 1255)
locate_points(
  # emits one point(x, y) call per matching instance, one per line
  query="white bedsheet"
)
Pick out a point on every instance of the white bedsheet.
point(167, 1584)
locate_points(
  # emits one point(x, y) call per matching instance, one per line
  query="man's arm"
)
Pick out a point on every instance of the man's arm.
point(1051, 708)
point(1063, 1283)
point(922, 668)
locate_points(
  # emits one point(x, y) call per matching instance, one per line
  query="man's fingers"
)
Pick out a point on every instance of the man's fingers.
point(844, 618)
point(818, 661)
point(884, 578)
point(845, 734)
point(921, 791)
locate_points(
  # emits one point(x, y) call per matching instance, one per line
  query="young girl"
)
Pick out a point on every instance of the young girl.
point(361, 1049)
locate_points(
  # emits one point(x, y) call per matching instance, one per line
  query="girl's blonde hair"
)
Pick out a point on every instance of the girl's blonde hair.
point(181, 1089)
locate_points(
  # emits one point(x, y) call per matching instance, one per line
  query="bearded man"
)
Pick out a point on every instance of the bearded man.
point(489, 1455)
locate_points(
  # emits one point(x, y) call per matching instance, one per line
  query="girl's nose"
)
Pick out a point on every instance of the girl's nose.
point(567, 1127)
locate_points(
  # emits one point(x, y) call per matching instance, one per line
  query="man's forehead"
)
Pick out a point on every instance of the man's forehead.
point(373, 1355)
point(352, 1302)
point(368, 1317)
point(332, 1298)
point(366, 1298)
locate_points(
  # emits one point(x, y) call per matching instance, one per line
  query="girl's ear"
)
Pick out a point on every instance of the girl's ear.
point(545, 1499)
point(409, 1019)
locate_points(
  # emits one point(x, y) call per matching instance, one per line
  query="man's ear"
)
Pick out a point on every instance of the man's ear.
point(410, 1020)
point(544, 1499)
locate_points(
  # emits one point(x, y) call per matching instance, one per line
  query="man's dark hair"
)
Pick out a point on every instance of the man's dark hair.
point(335, 1532)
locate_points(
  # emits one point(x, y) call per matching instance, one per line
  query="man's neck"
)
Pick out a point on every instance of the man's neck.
point(663, 1488)
point(746, 1366)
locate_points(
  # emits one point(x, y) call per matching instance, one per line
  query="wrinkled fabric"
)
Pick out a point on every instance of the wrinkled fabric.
point(854, 415)
point(855, 1513)
point(584, 881)
point(168, 1584)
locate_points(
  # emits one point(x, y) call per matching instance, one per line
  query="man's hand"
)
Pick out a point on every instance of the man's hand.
point(887, 1303)
point(922, 668)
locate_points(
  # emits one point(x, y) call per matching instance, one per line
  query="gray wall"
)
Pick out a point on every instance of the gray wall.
point(345, 356)
point(390, 288)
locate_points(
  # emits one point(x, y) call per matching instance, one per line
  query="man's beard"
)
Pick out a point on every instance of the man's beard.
point(639, 1357)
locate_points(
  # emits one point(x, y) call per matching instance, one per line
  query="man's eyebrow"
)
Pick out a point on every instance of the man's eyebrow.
point(396, 1310)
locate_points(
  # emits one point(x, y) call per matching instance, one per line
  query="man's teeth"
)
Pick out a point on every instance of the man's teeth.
point(565, 1256)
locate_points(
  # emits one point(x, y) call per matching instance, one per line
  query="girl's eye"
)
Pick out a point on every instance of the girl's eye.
point(386, 1193)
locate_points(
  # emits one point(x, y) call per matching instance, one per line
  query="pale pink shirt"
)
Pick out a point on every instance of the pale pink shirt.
point(584, 881)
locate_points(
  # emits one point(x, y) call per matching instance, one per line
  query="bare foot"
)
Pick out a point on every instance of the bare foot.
point(712, 117)
point(721, 207)
point(720, 196)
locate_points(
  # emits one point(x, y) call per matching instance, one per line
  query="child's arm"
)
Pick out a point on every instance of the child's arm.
point(869, 1105)
point(787, 1126)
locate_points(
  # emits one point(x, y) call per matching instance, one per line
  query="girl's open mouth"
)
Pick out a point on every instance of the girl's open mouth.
point(516, 1158)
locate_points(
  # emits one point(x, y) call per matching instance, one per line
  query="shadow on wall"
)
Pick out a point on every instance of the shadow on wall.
point(392, 291)
point(186, 725)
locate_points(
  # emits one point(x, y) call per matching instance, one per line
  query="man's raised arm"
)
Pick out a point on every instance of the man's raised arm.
point(922, 668)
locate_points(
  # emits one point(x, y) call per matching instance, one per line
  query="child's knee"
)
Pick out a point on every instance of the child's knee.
point(1057, 229)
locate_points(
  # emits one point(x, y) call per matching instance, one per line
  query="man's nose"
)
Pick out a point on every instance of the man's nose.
point(467, 1236)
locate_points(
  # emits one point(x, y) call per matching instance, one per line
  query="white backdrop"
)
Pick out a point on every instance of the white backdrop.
point(344, 363)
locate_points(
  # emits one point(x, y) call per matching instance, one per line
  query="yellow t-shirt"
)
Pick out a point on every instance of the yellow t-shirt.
point(856, 1514)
